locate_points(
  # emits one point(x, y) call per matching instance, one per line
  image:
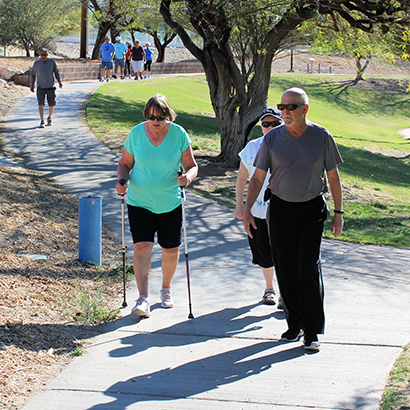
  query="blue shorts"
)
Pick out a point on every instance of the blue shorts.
point(144, 224)
point(119, 62)
point(106, 64)
point(51, 96)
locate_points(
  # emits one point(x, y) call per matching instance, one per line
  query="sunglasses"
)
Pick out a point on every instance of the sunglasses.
point(289, 107)
point(267, 124)
point(154, 117)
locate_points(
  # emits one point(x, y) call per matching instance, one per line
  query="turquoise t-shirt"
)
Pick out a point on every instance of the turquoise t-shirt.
point(153, 181)
point(120, 49)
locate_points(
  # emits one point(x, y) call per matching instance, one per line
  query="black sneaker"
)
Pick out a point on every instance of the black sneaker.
point(49, 122)
point(42, 124)
point(292, 335)
point(114, 76)
point(101, 79)
point(311, 343)
point(122, 77)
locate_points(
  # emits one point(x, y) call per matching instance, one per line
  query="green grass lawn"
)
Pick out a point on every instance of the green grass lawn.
point(375, 172)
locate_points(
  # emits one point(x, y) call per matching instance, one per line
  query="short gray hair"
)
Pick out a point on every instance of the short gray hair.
point(300, 92)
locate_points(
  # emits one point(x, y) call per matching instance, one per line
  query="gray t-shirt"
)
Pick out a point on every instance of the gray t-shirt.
point(297, 165)
point(45, 71)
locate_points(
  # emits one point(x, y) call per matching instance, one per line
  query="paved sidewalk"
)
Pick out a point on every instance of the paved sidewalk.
point(229, 356)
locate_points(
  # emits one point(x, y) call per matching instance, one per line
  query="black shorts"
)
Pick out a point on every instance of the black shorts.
point(144, 224)
point(51, 96)
point(260, 244)
point(147, 65)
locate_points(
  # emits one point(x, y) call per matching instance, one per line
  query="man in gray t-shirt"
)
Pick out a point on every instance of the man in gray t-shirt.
point(44, 71)
point(302, 159)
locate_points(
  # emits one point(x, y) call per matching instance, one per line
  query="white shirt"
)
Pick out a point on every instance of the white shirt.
point(248, 155)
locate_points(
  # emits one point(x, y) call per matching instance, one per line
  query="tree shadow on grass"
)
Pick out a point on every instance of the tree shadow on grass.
point(131, 114)
point(347, 96)
point(378, 168)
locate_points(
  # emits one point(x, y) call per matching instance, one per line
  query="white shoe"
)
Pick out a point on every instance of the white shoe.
point(142, 308)
point(312, 343)
point(166, 298)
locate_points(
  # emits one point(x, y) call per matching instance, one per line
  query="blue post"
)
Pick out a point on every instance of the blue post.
point(90, 229)
point(330, 70)
point(318, 68)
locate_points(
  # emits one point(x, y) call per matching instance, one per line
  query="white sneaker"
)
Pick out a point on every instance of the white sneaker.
point(166, 298)
point(142, 308)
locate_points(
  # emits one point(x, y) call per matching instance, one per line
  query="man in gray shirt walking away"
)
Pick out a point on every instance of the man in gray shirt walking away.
point(44, 71)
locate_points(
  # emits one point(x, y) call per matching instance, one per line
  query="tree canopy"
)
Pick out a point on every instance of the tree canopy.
point(32, 24)
point(239, 92)
point(333, 35)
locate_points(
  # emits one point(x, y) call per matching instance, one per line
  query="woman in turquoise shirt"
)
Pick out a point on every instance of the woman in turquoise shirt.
point(153, 153)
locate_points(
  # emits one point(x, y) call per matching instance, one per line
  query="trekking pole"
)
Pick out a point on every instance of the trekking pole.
point(122, 182)
point(190, 316)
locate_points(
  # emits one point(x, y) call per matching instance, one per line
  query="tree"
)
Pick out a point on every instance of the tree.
point(238, 97)
point(32, 24)
point(334, 35)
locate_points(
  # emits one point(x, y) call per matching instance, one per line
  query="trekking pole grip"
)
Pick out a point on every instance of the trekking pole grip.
point(122, 181)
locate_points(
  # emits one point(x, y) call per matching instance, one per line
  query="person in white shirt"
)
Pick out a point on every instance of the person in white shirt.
point(259, 244)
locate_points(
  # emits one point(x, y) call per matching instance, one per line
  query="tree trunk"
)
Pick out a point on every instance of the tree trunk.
point(237, 103)
point(160, 48)
point(359, 68)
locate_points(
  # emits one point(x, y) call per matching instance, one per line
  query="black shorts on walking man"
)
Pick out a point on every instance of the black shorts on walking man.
point(301, 157)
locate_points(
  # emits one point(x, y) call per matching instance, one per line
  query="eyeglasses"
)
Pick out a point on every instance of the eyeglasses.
point(154, 117)
point(267, 124)
point(43, 55)
point(289, 107)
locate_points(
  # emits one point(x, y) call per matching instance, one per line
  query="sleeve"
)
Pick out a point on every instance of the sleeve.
point(332, 155)
point(243, 155)
point(185, 140)
point(57, 73)
point(129, 142)
point(33, 76)
point(262, 160)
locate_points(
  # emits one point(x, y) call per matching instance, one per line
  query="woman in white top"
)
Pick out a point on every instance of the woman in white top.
point(259, 244)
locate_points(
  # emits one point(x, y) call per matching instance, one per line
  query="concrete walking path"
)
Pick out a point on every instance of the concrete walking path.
point(229, 356)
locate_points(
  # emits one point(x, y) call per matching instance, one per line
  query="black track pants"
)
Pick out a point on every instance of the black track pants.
point(296, 230)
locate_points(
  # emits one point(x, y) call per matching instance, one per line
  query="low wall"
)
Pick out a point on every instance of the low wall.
point(90, 70)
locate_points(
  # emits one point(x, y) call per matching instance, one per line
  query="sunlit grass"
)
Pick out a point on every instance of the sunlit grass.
point(376, 168)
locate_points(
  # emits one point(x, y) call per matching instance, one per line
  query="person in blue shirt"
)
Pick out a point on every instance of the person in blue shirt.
point(120, 50)
point(107, 51)
point(149, 166)
point(148, 61)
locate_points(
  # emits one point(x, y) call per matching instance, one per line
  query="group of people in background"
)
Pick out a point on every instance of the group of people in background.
point(125, 57)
